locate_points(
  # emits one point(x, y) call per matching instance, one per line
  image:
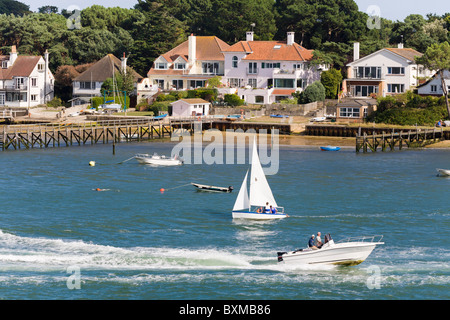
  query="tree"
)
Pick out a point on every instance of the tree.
point(314, 92)
point(331, 80)
point(48, 9)
point(437, 57)
point(13, 7)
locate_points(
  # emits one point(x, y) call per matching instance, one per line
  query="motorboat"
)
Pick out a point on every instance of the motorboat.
point(347, 252)
point(159, 160)
point(202, 187)
point(255, 205)
point(443, 172)
point(330, 148)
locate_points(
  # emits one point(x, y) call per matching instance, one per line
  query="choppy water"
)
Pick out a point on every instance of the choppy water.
point(134, 242)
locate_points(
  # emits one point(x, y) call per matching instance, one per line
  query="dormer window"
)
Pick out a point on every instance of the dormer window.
point(161, 65)
point(4, 64)
point(41, 67)
point(180, 66)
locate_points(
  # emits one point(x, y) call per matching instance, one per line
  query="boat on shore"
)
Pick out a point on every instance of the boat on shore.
point(159, 160)
point(347, 252)
point(203, 187)
point(255, 205)
point(330, 148)
point(443, 172)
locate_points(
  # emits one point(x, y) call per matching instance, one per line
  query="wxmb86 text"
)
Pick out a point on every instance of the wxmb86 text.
point(248, 309)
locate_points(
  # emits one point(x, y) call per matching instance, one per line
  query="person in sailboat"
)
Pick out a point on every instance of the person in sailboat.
point(267, 208)
point(273, 210)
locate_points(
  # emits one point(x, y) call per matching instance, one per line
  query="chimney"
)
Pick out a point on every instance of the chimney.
point(249, 36)
point(400, 45)
point(290, 38)
point(124, 64)
point(192, 49)
point(13, 55)
point(356, 51)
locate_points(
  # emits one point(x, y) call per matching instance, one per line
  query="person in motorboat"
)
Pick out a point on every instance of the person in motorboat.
point(311, 243)
point(319, 242)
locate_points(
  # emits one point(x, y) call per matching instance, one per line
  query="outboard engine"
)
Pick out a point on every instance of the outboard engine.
point(280, 256)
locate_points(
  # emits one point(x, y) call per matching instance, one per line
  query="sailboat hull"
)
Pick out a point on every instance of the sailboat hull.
point(257, 216)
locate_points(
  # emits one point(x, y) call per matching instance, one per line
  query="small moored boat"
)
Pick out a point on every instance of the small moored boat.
point(158, 160)
point(347, 252)
point(330, 148)
point(202, 187)
point(443, 172)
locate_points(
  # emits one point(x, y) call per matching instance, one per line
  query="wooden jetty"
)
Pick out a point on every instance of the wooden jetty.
point(111, 130)
point(397, 140)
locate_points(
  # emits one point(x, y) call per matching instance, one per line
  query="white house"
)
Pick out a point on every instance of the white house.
point(388, 71)
point(268, 71)
point(433, 87)
point(89, 83)
point(190, 108)
point(189, 65)
point(25, 81)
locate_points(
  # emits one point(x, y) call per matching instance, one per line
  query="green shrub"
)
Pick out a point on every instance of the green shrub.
point(233, 100)
point(312, 93)
point(54, 103)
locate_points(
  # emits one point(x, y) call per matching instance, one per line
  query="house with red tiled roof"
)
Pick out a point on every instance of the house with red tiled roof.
point(268, 71)
point(388, 71)
point(189, 65)
point(25, 81)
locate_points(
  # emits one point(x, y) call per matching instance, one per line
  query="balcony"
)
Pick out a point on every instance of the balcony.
point(19, 87)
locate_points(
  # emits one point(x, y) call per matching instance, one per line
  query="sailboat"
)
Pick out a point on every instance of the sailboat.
point(253, 205)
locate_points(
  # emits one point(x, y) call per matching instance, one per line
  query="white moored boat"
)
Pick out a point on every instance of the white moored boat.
point(253, 206)
point(348, 252)
point(443, 172)
point(158, 160)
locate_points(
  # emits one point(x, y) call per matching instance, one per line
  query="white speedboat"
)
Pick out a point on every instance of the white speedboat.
point(158, 160)
point(253, 206)
point(443, 172)
point(348, 252)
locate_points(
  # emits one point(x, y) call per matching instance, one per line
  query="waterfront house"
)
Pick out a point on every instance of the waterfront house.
point(433, 87)
point(190, 108)
point(354, 110)
point(264, 72)
point(25, 81)
point(89, 83)
point(189, 65)
point(388, 71)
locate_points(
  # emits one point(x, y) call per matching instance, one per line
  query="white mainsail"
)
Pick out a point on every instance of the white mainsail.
point(260, 192)
point(242, 198)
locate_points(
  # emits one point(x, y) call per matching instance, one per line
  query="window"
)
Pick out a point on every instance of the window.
point(4, 64)
point(41, 67)
point(2, 99)
point(363, 91)
point(349, 113)
point(180, 66)
point(433, 88)
point(159, 83)
point(235, 82)
point(396, 88)
point(284, 83)
point(298, 66)
point(177, 84)
point(34, 97)
point(252, 83)
point(252, 68)
point(270, 65)
point(396, 70)
point(234, 62)
point(161, 65)
point(34, 82)
point(87, 85)
point(210, 67)
point(367, 72)
point(259, 99)
point(197, 83)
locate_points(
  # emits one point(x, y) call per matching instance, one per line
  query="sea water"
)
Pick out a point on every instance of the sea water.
point(60, 238)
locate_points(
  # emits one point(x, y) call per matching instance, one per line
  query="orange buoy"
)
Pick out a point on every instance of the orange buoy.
point(98, 189)
point(162, 190)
